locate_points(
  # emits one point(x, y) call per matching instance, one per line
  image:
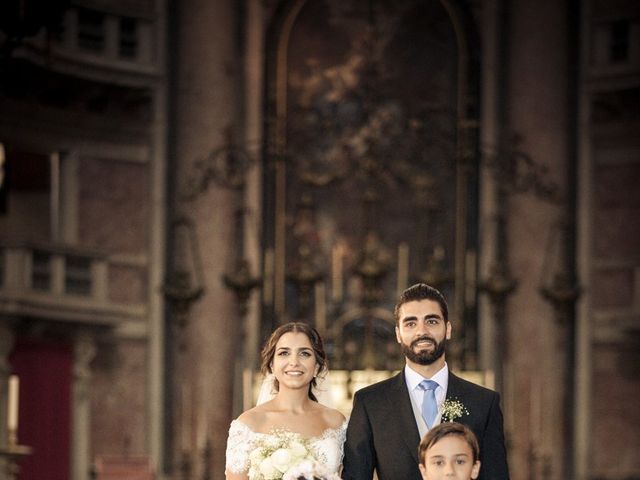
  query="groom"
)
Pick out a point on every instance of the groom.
point(390, 417)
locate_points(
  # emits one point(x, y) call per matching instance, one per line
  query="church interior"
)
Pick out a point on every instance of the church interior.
point(178, 178)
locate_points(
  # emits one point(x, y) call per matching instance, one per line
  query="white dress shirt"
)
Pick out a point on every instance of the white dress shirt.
point(413, 380)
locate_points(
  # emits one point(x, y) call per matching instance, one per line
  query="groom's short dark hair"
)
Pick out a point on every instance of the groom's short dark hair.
point(421, 291)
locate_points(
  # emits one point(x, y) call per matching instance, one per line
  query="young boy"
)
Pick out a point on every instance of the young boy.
point(450, 451)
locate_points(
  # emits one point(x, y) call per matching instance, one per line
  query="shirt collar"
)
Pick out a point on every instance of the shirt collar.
point(414, 378)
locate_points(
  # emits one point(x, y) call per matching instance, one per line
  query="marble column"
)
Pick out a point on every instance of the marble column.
point(84, 353)
point(537, 116)
point(207, 87)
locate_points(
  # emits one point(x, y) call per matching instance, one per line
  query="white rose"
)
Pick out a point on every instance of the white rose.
point(304, 468)
point(298, 450)
point(267, 469)
point(256, 456)
point(281, 459)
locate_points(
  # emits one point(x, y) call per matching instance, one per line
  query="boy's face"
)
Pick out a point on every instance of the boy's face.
point(450, 458)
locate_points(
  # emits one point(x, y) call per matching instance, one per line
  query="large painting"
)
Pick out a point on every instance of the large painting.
point(369, 184)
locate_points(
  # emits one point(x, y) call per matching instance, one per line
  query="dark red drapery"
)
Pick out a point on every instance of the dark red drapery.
point(44, 368)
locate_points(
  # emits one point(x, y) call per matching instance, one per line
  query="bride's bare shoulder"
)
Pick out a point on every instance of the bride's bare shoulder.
point(254, 418)
point(334, 418)
point(251, 418)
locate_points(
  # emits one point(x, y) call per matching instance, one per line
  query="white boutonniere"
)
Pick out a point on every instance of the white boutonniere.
point(453, 409)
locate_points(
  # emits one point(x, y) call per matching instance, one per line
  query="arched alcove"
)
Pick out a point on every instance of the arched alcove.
point(370, 173)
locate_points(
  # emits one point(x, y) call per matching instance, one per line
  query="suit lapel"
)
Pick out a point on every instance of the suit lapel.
point(457, 391)
point(400, 402)
point(453, 386)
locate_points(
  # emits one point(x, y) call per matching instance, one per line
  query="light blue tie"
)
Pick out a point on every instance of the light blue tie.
point(429, 404)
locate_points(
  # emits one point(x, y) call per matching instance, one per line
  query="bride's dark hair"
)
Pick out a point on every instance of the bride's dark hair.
point(269, 350)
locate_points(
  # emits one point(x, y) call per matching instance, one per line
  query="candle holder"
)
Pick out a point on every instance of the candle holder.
point(13, 453)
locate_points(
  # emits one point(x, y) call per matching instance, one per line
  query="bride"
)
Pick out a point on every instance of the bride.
point(294, 357)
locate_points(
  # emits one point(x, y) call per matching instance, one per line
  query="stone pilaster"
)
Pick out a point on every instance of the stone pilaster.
point(84, 353)
point(208, 86)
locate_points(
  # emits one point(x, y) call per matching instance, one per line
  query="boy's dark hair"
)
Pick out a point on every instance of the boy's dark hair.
point(444, 430)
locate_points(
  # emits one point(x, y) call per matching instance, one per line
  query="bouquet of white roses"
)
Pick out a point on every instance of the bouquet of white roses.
point(276, 454)
point(310, 470)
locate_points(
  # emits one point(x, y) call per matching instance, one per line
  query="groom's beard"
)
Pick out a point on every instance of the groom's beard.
point(424, 357)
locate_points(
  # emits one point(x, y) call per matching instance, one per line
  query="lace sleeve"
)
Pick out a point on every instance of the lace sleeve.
point(342, 436)
point(239, 445)
point(329, 447)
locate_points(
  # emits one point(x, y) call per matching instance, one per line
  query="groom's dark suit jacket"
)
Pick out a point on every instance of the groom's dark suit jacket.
point(383, 435)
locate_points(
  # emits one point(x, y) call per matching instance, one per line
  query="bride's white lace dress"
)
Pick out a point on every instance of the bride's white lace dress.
point(328, 447)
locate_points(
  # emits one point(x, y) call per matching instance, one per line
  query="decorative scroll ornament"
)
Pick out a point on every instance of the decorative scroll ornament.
point(184, 282)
